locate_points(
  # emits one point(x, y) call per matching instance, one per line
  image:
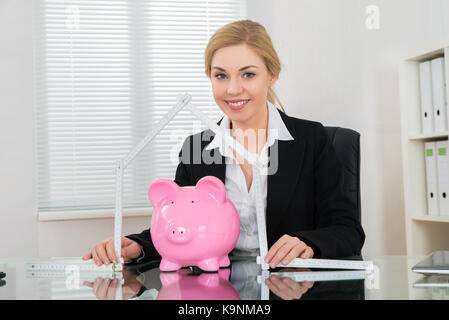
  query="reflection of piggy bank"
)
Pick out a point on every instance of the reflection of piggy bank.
point(183, 285)
point(193, 226)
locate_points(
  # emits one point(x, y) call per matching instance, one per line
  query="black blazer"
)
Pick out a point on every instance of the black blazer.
point(305, 197)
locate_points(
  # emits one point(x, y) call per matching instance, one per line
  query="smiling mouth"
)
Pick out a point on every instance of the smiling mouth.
point(237, 103)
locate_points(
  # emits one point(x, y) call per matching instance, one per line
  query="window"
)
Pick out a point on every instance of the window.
point(105, 71)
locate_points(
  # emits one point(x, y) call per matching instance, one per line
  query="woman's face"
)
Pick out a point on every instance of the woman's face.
point(239, 75)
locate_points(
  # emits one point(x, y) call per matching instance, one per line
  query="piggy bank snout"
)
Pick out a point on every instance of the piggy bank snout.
point(178, 234)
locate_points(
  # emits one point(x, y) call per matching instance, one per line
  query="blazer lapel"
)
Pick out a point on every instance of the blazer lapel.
point(281, 184)
point(214, 169)
point(217, 170)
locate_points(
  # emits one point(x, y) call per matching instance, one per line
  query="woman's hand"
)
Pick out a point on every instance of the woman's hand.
point(286, 249)
point(105, 288)
point(103, 252)
point(287, 288)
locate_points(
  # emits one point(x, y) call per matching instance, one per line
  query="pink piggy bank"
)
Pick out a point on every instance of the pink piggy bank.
point(193, 226)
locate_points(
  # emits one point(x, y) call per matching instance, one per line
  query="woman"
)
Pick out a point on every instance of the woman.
point(308, 214)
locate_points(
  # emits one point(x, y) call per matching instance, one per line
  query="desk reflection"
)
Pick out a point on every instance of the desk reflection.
point(241, 281)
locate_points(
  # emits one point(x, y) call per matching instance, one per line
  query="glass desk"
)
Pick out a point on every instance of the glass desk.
point(392, 279)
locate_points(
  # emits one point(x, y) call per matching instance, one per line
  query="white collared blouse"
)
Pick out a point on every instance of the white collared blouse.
point(235, 183)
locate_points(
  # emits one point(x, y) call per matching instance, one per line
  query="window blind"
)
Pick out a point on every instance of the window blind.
point(105, 72)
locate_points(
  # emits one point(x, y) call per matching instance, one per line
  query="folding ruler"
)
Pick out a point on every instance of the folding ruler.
point(312, 276)
point(258, 170)
point(61, 267)
point(62, 263)
point(121, 164)
point(90, 276)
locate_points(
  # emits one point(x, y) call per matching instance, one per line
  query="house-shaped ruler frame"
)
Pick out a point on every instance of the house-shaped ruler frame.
point(184, 101)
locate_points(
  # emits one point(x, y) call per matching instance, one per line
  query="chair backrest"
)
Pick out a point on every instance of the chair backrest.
point(347, 145)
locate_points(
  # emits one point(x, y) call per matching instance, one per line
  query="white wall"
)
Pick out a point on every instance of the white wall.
point(18, 226)
point(335, 71)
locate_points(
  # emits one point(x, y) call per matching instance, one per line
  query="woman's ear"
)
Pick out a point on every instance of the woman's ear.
point(272, 80)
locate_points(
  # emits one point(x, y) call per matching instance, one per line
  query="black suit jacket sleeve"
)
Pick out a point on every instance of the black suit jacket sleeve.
point(148, 250)
point(337, 232)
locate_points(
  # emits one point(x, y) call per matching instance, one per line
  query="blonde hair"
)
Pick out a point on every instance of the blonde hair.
point(254, 35)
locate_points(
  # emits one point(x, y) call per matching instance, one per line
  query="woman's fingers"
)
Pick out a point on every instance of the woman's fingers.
point(295, 251)
point(308, 284)
point(295, 288)
point(95, 257)
point(110, 251)
point(112, 289)
point(287, 288)
point(96, 285)
point(101, 252)
point(289, 250)
point(307, 253)
point(286, 249)
point(104, 252)
point(274, 249)
point(103, 288)
point(278, 251)
point(280, 288)
point(87, 256)
point(281, 254)
point(131, 249)
point(276, 286)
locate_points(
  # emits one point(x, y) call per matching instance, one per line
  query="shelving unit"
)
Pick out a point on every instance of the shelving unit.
point(424, 233)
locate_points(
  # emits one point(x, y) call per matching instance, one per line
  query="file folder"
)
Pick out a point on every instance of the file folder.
point(431, 178)
point(425, 82)
point(439, 94)
point(443, 177)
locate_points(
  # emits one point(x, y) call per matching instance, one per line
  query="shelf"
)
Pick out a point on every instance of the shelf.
point(428, 136)
point(423, 233)
point(431, 218)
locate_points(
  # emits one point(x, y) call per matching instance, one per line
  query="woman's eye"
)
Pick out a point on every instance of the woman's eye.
point(218, 75)
point(245, 75)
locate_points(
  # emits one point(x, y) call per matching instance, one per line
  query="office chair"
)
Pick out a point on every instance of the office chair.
point(347, 145)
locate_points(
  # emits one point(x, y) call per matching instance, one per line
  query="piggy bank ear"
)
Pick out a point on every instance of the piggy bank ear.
point(162, 190)
point(213, 188)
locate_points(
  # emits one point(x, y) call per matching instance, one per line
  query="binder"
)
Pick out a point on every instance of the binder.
point(443, 177)
point(438, 94)
point(425, 82)
point(431, 178)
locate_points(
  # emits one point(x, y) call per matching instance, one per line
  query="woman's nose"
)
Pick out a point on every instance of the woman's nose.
point(234, 87)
